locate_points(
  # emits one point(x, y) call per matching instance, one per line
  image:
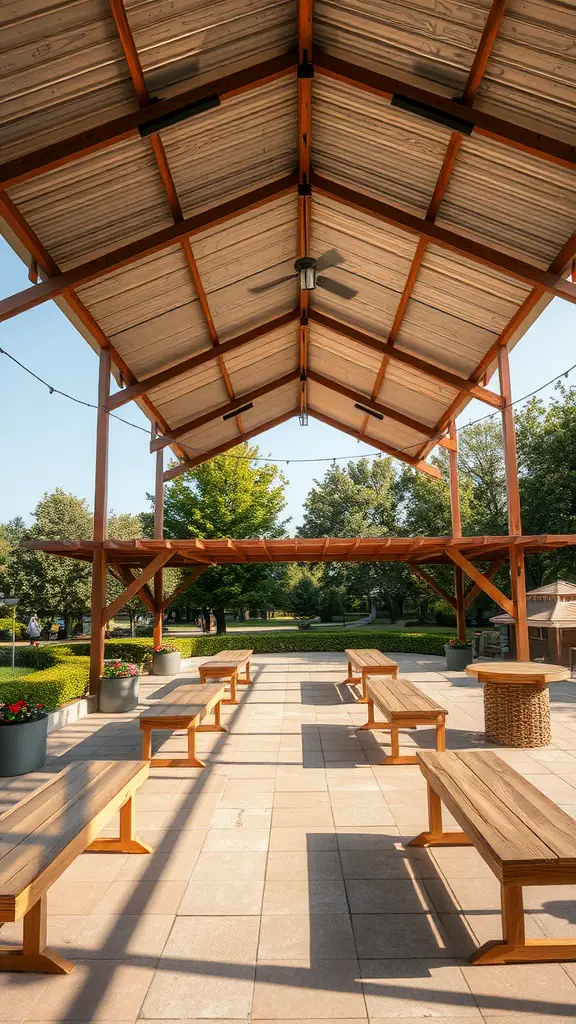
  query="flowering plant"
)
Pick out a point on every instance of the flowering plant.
point(459, 645)
point(164, 649)
point(21, 711)
point(120, 670)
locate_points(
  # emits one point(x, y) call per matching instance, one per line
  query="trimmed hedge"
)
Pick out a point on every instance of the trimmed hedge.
point(280, 643)
point(60, 678)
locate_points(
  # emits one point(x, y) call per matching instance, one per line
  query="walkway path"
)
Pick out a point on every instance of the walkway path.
point(280, 889)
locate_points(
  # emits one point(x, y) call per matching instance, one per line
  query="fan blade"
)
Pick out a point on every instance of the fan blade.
point(341, 290)
point(272, 284)
point(329, 259)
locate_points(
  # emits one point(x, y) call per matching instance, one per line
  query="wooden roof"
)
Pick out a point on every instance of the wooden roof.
point(139, 553)
point(455, 217)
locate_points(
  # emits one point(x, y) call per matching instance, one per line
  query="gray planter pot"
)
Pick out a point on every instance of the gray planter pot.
point(23, 747)
point(166, 664)
point(118, 695)
point(457, 658)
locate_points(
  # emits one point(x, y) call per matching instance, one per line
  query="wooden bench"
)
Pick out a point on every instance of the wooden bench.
point(184, 708)
point(369, 662)
point(403, 705)
point(521, 834)
point(42, 834)
point(227, 665)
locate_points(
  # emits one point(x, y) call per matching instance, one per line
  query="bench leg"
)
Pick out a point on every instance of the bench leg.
point(217, 726)
point(128, 841)
point(247, 677)
point(372, 723)
point(441, 736)
point(435, 836)
point(146, 744)
point(181, 762)
point(233, 683)
point(35, 956)
point(514, 947)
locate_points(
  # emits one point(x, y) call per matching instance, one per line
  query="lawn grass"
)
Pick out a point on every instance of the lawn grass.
point(6, 673)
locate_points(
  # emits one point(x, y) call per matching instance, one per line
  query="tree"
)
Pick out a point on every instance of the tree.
point(125, 527)
point(304, 598)
point(230, 496)
point(47, 584)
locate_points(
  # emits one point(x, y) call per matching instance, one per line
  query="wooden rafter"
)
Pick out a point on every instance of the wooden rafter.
point(223, 410)
point(395, 453)
point(305, 73)
point(136, 585)
point(433, 584)
point(122, 129)
point(480, 121)
point(357, 396)
point(479, 63)
point(207, 356)
point(407, 359)
point(175, 471)
point(483, 582)
point(183, 586)
point(158, 241)
point(474, 251)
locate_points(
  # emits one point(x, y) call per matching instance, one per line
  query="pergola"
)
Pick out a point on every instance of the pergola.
point(163, 163)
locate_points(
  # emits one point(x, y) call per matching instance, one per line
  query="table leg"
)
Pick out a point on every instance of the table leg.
point(517, 716)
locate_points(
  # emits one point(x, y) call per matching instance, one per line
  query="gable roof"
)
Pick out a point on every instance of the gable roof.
point(435, 154)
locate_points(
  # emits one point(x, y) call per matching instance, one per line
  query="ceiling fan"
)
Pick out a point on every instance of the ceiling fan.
point(307, 270)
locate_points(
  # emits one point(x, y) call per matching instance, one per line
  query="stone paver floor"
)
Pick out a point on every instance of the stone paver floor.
point(280, 888)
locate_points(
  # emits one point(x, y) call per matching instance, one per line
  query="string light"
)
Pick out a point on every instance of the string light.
point(247, 458)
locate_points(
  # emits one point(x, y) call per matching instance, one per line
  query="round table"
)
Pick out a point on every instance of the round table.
point(516, 700)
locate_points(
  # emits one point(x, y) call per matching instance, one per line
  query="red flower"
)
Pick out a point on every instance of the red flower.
point(14, 708)
point(39, 705)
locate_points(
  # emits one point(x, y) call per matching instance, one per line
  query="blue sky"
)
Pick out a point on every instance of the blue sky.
point(48, 441)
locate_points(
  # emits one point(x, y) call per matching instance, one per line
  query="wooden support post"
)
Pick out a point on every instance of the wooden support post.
point(456, 532)
point(158, 535)
point(100, 531)
point(517, 570)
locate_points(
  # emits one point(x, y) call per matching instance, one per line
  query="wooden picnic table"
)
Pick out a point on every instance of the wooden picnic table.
point(516, 700)
point(227, 665)
point(368, 662)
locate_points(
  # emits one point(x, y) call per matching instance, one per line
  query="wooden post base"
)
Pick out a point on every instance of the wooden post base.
point(177, 762)
point(400, 759)
point(212, 728)
point(119, 846)
point(442, 839)
point(531, 951)
point(46, 962)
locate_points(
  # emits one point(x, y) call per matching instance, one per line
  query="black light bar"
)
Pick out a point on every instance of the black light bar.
point(236, 412)
point(457, 124)
point(370, 412)
point(166, 120)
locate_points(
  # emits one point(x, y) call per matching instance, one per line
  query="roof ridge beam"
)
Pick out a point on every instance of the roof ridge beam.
point(473, 121)
point(370, 403)
point(223, 410)
point(395, 453)
point(407, 359)
point(126, 127)
point(193, 362)
point(183, 467)
point(155, 242)
point(477, 252)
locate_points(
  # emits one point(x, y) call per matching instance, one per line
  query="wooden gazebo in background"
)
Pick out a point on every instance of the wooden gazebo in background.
point(165, 165)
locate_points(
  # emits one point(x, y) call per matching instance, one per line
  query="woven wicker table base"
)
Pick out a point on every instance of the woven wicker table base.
point(517, 716)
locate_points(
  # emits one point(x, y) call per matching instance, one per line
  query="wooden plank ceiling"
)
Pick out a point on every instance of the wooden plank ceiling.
point(162, 161)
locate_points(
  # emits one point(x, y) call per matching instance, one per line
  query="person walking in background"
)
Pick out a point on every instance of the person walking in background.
point(34, 629)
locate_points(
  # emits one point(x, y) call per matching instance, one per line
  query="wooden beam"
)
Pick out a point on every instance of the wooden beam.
point(518, 582)
point(480, 121)
point(433, 584)
point(183, 586)
point(395, 453)
point(472, 593)
point(305, 80)
point(136, 585)
point(223, 410)
point(123, 574)
point(158, 241)
point(407, 359)
point(207, 356)
point(183, 467)
point(476, 252)
point(357, 396)
point(456, 517)
point(485, 584)
point(158, 535)
point(126, 127)
point(100, 524)
point(509, 437)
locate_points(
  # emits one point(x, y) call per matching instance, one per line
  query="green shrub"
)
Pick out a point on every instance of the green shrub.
point(60, 678)
point(6, 630)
